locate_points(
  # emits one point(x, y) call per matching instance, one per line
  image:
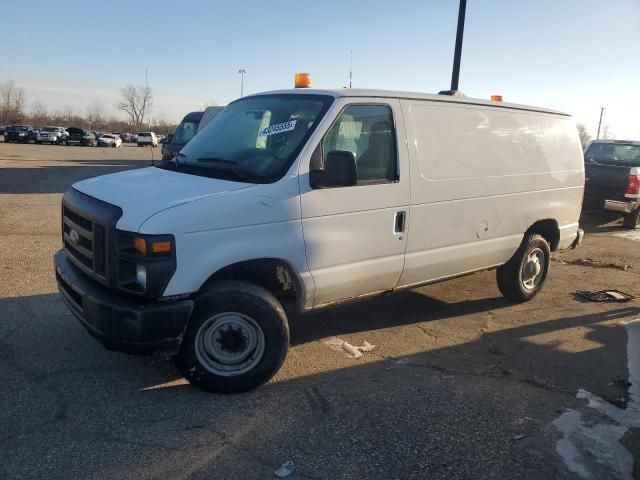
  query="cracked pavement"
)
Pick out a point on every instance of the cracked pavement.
point(461, 383)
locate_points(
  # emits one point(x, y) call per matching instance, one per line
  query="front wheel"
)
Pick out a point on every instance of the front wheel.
point(522, 277)
point(237, 338)
point(632, 220)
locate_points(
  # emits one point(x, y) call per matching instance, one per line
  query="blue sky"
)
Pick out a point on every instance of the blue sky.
point(573, 55)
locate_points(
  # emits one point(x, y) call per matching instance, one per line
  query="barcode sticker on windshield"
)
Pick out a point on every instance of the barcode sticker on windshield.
point(277, 128)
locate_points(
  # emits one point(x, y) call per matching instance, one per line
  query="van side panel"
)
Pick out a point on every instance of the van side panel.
point(481, 176)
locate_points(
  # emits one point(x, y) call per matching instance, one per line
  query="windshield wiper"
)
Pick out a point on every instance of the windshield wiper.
point(228, 166)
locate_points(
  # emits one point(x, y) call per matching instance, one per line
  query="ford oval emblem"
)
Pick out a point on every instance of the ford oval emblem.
point(74, 237)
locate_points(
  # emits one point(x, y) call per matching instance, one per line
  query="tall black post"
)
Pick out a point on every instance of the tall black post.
point(600, 123)
point(455, 75)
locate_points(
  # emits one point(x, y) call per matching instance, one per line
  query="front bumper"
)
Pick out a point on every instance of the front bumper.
point(622, 207)
point(119, 322)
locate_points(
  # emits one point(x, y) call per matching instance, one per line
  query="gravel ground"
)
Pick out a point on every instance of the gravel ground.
point(461, 383)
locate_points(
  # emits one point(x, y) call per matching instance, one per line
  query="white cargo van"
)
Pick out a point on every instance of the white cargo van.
point(300, 199)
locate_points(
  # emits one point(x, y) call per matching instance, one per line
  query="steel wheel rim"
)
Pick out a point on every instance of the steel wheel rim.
point(533, 269)
point(229, 344)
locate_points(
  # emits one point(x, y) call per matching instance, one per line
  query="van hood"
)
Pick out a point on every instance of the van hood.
point(144, 192)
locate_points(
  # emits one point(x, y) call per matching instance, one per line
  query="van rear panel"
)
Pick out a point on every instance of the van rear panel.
point(481, 176)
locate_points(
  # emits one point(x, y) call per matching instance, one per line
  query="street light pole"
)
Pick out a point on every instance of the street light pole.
point(455, 75)
point(600, 123)
point(242, 71)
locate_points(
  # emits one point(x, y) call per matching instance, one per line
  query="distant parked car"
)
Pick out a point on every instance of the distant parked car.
point(19, 133)
point(147, 138)
point(52, 135)
point(134, 138)
point(109, 140)
point(77, 136)
point(2, 129)
point(125, 137)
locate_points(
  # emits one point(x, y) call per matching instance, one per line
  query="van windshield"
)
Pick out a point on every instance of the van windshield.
point(614, 153)
point(184, 132)
point(254, 139)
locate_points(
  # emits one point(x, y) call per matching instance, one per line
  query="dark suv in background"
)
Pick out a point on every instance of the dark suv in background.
point(612, 178)
point(185, 132)
point(77, 136)
point(19, 133)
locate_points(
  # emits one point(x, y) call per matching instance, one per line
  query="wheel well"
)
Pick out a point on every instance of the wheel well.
point(549, 230)
point(273, 274)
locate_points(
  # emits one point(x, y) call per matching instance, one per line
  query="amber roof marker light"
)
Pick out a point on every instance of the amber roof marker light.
point(302, 80)
point(496, 98)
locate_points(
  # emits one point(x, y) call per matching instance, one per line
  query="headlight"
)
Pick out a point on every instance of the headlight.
point(141, 275)
point(145, 263)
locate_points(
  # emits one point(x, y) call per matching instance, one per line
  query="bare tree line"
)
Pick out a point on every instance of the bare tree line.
point(135, 102)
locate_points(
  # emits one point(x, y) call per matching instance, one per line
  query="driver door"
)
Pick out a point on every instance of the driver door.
point(355, 237)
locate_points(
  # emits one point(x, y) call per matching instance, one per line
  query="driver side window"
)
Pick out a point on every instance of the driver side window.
point(367, 132)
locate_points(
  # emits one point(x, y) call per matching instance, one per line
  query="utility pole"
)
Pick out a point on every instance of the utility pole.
point(455, 75)
point(600, 122)
point(146, 92)
point(242, 71)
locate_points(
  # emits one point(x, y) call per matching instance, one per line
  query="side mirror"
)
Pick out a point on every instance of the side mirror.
point(169, 138)
point(339, 171)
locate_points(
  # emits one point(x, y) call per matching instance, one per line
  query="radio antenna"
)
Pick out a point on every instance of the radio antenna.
point(350, 66)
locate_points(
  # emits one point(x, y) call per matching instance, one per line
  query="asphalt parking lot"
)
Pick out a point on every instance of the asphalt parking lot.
point(461, 383)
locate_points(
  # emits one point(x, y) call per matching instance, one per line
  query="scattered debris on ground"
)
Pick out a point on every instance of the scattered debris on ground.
point(590, 262)
point(285, 470)
point(350, 350)
point(605, 295)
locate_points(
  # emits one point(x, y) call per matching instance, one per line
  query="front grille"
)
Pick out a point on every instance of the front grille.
point(85, 243)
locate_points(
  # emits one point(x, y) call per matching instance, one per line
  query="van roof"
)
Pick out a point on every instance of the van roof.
point(353, 92)
point(623, 142)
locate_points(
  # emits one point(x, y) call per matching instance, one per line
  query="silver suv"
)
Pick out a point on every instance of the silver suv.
point(57, 135)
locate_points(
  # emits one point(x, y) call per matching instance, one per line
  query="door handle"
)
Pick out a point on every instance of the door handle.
point(399, 222)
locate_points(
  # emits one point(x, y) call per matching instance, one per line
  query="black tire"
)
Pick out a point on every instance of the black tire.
point(233, 300)
point(38, 142)
point(512, 275)
point(632, 220)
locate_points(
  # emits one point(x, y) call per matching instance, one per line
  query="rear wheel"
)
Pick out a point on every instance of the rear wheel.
point(632, 220)
point(522, 277)
point(237, 338)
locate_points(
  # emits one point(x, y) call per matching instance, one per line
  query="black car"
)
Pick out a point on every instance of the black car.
point(612, 179)
point(77, 136)
point(19, 133)
point(185, 132)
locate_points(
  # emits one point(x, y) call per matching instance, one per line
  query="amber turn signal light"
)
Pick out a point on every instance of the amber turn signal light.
point(161, 247)
point(140, 245)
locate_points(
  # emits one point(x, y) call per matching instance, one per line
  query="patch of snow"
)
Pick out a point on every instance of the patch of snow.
point(590, 447)
point(629, 235)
